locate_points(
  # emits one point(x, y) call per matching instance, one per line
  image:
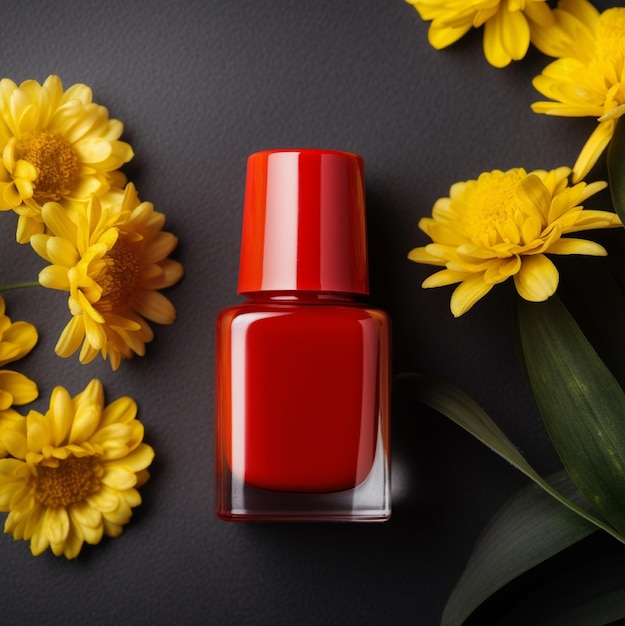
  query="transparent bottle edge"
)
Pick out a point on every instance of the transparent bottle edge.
point(370, 501)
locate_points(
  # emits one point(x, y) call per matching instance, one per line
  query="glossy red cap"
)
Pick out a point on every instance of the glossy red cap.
point(304, 223)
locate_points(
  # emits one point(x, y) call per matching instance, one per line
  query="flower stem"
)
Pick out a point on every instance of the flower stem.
point(35, 283)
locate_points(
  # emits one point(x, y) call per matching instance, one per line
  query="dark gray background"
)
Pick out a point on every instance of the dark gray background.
point(200, 85)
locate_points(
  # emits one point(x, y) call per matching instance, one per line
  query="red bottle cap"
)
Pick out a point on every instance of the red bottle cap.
point(304, 223)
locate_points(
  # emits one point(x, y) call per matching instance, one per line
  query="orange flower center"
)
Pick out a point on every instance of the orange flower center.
point(69, 482)
point(121, 274)
point(56, 162)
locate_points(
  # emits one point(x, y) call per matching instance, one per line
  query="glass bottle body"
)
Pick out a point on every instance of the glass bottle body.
point(302, 410)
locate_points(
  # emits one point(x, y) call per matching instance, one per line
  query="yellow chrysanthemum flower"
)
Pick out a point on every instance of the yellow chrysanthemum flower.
point(508, 24)
point(17, 339)
point(503, 224)
point(75, 471)
point(56, 146)
point(113, 262)
point(589, 78)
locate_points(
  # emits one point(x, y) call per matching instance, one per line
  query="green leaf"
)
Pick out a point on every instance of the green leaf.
point(464, 411)
point(616, 168)
point(592, 295)
point(529, 529)
point(581, 403)
point(590, 591)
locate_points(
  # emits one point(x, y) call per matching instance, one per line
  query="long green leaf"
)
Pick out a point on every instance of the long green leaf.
point(592, 295)
point(616, 168)
point(581, 403)
point(529, 529)
point(589, 592)
point(450, 401)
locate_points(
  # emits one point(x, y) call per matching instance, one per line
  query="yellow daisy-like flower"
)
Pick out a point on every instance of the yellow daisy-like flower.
point(503, 224)
point(589, 78)
point(56, 146)
point(75, 471)
point(113, 262)
point(508, 24)
point(17, 339)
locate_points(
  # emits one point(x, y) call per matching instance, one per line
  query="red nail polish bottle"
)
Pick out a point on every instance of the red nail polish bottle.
point(302, 428)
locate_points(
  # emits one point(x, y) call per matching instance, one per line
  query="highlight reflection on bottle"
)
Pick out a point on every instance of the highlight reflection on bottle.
point(302, 365)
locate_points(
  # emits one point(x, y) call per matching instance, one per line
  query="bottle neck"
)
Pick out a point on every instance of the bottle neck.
point(303, 297)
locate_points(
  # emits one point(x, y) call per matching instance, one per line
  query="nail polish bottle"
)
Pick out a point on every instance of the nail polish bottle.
point(302, 371)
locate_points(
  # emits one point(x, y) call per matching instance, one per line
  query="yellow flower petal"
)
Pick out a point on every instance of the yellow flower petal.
point(467, 293)
point(38, 435)
point(537, 279)
point(61, 252)
point(21, 388)
point(587, 220)
point(39, 243)
point(155, 306)
point(94, 150)
point(533, 197)
point(19, 339)
point(72, 544)
point(39, 542)
point(593, 149)
point(92, 394)
point(515, 32)
point(139, 459)
point(502, 269)
point(121, 514)
point(440, 35)
point(121, 411)
point(71, 338)
point(568, 245)
point(56, 524)
point(444, 277)
point(12, 437)
point(420, 255)
point(85, 516)
point(167, 273)
point(61, 415)
point(105, 500)
point(507, 24)
point(119, 478)
point(54, 277)
point(494, 50)
point(85, 422)
point(58, 221)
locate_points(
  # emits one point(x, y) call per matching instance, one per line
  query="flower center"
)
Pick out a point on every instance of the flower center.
point(609, 32)
point(56, 162)
point(70, 481)
point(121, 274)
point(489, 205)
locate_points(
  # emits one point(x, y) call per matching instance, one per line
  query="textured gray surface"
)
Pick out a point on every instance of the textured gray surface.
point(200, 85)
